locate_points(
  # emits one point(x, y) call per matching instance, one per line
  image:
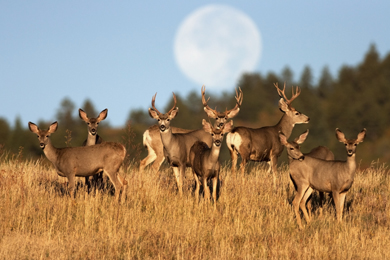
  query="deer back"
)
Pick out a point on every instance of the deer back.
point(105, 156)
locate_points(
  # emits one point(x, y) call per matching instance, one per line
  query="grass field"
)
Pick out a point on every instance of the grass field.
point(252, 220)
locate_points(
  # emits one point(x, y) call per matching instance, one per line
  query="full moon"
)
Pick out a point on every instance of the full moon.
point(215, 44)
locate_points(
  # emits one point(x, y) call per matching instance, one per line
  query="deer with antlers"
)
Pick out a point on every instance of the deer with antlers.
point(263, 144)
point(335, 177)
point(152, 138)
point(176, 146)
point(204, 159)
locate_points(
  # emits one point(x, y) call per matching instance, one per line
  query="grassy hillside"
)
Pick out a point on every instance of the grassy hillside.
point(251, 220)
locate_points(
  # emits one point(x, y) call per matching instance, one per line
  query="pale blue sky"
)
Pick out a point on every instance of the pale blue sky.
point(119, 53)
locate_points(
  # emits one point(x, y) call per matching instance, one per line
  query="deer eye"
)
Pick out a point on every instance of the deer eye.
point(296, 113)
point(355, 144)
point(168, 119)
point(47, 136)
point(212, 134)
point(158, 120)
point(97, 123)
point(291, 148)
point(216, 118)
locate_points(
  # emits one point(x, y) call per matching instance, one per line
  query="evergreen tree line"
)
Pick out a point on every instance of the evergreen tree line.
point(359, 97)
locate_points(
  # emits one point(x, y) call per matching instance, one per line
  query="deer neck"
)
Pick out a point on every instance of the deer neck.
point(50, 152)
point(285, 125)
point(91, 139)
point(214, 153)
point(351, 163)
point(167, 137)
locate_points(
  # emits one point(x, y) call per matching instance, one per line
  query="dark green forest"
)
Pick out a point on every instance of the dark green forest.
point(359, 97)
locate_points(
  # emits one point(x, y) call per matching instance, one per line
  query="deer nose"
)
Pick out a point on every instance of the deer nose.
point(42, 145)
point(218, 142)
point(93, 131)
point(162, 128)
point(220, 125)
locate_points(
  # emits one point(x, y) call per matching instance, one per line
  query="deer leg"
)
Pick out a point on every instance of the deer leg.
point(297, 200)
point(336, 198)
point(215, 183)
point(71, 185)
point(206, 189)
point(274, 166)
point(88, 183)
point(322, 199)
point(177, 173)
point(303, 204)
point(340, 206)
point(234, 157)
point(242, 166)
point(197, 186)
point(147, 160)
point(114, 178)
point(157, 163)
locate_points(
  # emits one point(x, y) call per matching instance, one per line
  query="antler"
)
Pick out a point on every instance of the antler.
point(283, 95)
point(174, 103)
point(204, 101)
point(239, 99)
point(155, 109)
point(153, 100)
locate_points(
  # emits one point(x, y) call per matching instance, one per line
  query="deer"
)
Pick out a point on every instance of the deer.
point(92, 139)
point(204, 159)
point(335, 177)
point(263, 144)
point(152, 138)
point(176, 146)
point(319, 152)
point(83, 161)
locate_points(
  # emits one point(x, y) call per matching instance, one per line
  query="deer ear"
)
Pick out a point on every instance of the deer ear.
point(283, 105)
point(210, 113)
point(103, 115)
point(207, 127)
point(361, 136)
point(153, 114)
point(83, 115)
point(233, 113)
point(228, 127)
point(173, 113)
point(302, 137)
point(282, 138)
point(33, 127)
point(340, 136)
point(53, 127)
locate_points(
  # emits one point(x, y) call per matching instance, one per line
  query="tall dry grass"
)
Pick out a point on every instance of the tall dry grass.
point(251, 220)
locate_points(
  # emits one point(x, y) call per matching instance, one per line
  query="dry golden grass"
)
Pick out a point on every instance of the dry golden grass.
point(251, 220)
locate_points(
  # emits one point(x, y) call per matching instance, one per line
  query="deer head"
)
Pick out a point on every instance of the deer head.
point(350, 144)
point(293, 148)
point(43, 135)
point(163, 119)
point(286, 107)
point(216, 132)
point(93, 123)
point(221, 117)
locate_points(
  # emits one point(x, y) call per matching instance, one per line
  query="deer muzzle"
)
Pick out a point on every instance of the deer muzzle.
point(162, 128)
point(218, 143)
point(42, 145)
